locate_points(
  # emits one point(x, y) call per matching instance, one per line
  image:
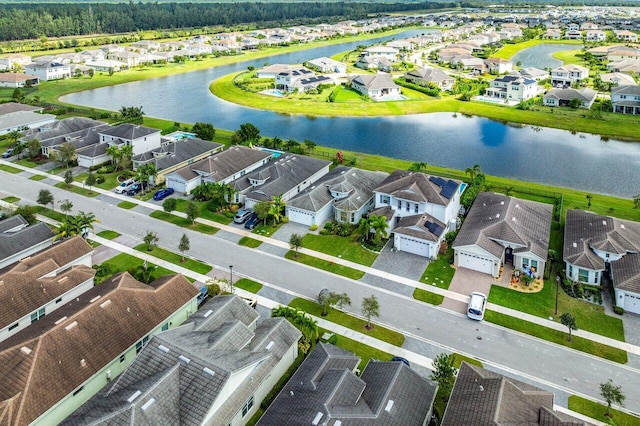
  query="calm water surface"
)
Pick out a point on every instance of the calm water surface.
point(540, 56)
point(543, 155)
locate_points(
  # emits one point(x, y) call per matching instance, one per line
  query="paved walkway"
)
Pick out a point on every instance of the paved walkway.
point(449, 294)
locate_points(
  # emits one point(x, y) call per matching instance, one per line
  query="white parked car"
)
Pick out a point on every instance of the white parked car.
point(477, 304)
point(124, 186)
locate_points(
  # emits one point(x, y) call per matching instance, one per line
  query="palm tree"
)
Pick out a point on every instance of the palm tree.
point(379, 225)
point(145, 172)
point(277, 207)
point(364, 228)
point(115, 153)
point(126, 152)
point(473, 172)
point(85, 221)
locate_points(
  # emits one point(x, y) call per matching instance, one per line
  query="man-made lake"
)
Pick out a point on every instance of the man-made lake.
point(543, 155)
point(540, 56)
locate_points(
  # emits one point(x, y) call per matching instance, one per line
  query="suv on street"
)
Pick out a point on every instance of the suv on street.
point(477, 303)
point(243, 215)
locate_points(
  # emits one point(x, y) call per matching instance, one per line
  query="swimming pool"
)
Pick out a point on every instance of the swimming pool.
point(274, 153)
point(387, 98)
point(273, 92)
point(177, 136)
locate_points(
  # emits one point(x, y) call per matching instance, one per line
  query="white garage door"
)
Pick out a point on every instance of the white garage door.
point(176, 185)
point(412, 245)
point(477, 263)
point(304, 218)
point(632, 303)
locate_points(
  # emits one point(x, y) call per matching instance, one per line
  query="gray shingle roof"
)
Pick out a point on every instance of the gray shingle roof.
point(585, 231)
point(325, 383)
point(358, 184)
point(429, 74)
point(626, 89)
point(423, 226)
point(374, 81)
point(223, 164)
point(60, 129)
point(483, 398)
point(414, 186)
point(177, 152)
point(16, 237)
point(129, 131)
point(9, 107)
point(494, 217)
point(218, 340)
point(281, 175)
point(584, 95)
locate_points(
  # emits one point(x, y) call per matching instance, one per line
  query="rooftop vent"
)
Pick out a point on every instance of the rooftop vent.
point(184, 359)
point(105, 303)
point(208, 371)
point(497, 215)
point(134, 396)
point(60, 320)
point(481, 388)
point(163, 348)
point(70, 326)
point(604, 222)
point(389, 406)
point(316, 419)
point(209, 312)
point(621, 226)
point(574, 245)
point(502, 203)
point(83, 362)
point(94, 299)
point(25, 350)
point(270, 345)
point(63, 279)
point(148, 404)
point(513, 219)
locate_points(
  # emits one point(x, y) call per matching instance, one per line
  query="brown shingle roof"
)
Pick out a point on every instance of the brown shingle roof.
point(44, 363)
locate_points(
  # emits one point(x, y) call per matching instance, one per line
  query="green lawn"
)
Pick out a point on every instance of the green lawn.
point(346, 320)
point(110, 179)
point(249, 242)
point(458, 358)
point(268, 229)
point(559, 337)
point(9, 169)
point(55, 215)
point(347, 248)
point(325, 265)
point(127, 205)
point(596, 411)
point(204, 212)
point(427, 296)
point(248, 285)
point(108, 234)
point(76, 189)
point(439, 272)
point(11, 199)
point(365, 352)
point(38, 177)
point(589, 317)
point(125, 262)
point(183, 222)
point(509, 50)
point(175, 258)
point(569, 57)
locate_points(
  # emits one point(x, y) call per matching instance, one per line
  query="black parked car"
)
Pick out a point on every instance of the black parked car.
point(135, 188)
point(252, 222)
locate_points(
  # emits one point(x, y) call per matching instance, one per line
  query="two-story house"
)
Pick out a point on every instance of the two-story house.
point(141, 138)
point(513, 88)
point(47, 71)
point(567, 74)
point(18, 239)
point(626, 99)
point(419, 208)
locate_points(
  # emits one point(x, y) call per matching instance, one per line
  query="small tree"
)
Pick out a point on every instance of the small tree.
point(45, 197)
point(370, 308)
point(28, 213)
point(589, 198)
point(33, 147)
point(192, 211)
point(612, 394)
point(340, 300)
point(295, 242)
point(66, 206)
point(68, 177)
point(636, 201)
point(204, 131)
point(90, 180)
point(183, 246)
point(262, 209)
point(444, 372)
point(150, 239)
point(569, 321)
point(309, 145)
point(324, 300)
point(169, 204)
point(66, 153)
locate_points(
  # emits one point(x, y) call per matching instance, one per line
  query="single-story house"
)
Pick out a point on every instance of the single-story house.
point(344, 194)
point(21, 120)
point(327, 65)
point(626, 99)
point(16, 80)
point(222, 167)
point(595, 245)
point(18, 239)
point(376, 86)
point(618, 79)
point(500, 229)
point(532, 73)
point(426, 75)
point(562, 97)
point(271, 71)
point(106, 65)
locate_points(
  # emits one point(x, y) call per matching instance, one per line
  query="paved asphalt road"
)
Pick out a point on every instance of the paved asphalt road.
point(549, 364)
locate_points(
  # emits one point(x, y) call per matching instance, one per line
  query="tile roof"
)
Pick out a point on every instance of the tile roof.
point(483, 398)
point(279, 175)
point(417, 187)
point(356, 185)
point(223, 164)
point(29, 284)
point(23, 119)
point(325, 384)
point(218, 341)
point(54, 356)
point(585, 232)
point(16, 236)
point(129, 131)
point(496, 217)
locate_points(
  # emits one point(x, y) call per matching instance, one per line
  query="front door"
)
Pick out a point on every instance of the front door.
point(508, 255)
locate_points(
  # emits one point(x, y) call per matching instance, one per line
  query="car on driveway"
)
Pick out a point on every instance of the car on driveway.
point(477, 304)
point(8, 153)
point(125, 186)
point(163, 193)
point(134, 189)
point(402, 360)
point(243, 215)
point(252, 222)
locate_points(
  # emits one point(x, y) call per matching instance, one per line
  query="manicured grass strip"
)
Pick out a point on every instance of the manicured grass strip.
point(427, 296)
point(185, 223)
point(9, 169)
point(559, 337)
point(458, 358)
point(325, 265)
point(38, 177)
point(438, 272)
point(108, 234)
point(347, 248)
point(77, 189)
point(365, 352)
point(175, 258)
point(349, 321)
point(59, 216)
point(11, 199)
point(596, 411)
point(126, 205)
point(248, 285)
point(249, 242)
point(589, 316)
point(204, 212)
point(125, 262)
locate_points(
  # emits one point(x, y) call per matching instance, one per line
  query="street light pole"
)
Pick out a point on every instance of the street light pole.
point(557, 288)
point(231, 273)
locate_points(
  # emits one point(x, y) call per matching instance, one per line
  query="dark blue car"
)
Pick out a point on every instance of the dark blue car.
point(135, 188)
point(402, 360)
point(252, 222)
point(163, 193)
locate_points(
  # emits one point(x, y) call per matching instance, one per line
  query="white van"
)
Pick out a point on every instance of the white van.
point(477, 303)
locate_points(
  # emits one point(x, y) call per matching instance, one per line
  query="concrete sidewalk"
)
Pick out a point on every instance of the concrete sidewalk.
point(366, 269)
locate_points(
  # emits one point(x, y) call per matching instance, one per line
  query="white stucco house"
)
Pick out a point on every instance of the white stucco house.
point(345, 194)
point(419, 208)
point(513, 88)
point(47, 71)
point(596, 245)
point(142, 138)
point(376, 86)
point(500, 229)
point(568, 74)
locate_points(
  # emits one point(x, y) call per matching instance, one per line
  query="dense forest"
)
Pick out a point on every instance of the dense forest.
point(29, 21)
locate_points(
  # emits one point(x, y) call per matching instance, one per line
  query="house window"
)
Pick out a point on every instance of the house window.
point(58, 300)
point(534, 264)
point(37, 315)
point(123, 357)
point(141, 344)
point(399, 204)
point(14, 326)
point(165, 326)
point(416, 208)
point(384, 199)
point(570, 271)
point(77, 391)
point(583, 275)
point(247, 406)
point(408, 206)
point(597, 277)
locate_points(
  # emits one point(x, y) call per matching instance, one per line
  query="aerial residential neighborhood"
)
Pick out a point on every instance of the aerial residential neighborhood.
point(399, 216)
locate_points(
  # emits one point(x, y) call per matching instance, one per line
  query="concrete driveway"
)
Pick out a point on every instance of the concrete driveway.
point(466, 281)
